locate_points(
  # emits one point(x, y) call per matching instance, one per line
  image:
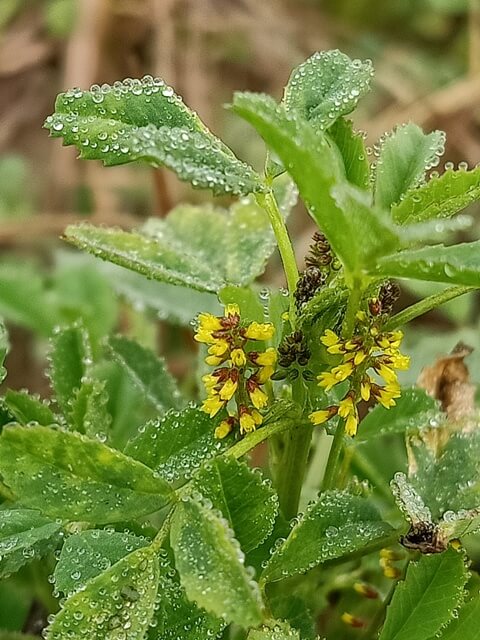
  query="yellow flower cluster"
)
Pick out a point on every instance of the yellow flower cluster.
point(370, 350)
point(239, 373)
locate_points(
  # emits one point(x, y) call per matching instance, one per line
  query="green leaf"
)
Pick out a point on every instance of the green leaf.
point(204, 546)
point(25, 535)
point(178, 443)
point(120, 602)
point(148, 372)
point(70, 356)
point(179, 305)
point(23, 298)
point(441, 197)
point(326, 86)
point(458, 264)
point(414, 410)
point(313, 163)
point(245, 499)
point(275, 630)
point(89, 413)
point(66, 475)
point(201, 247)
point(26, 408)
point(334, 526)
point(353, 152)
point(464, 625)
point(177, 617)
point(424, 602)
point(86, 555)
point(4, 347)
point(296, 612)
point(405, 156)
point(145, 120)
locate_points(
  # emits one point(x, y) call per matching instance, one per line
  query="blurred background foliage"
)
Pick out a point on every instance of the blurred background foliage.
point(427, 59)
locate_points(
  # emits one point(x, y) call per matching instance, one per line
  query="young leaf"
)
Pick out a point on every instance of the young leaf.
point(201, 247)
point(26, 408)
point(441, 197)
point(120, 602)
point(178, 618)
point(354, 154)
point(89, 413)
point(415, 409)
point(315, 167)
point(66, 475)
point(3, 350)
point(245, 499)
point(424, 602)
point(458, 264)
point(464, 625)
point(69, 358)
point(405, 156)
point(25, 535)
point(334, 526)
point(87, 554)
point(296, 612)
point(205, 548)
point(148, 372)
point(326, 86)
point(275, 630)
point(177, 444)
point(145, 120)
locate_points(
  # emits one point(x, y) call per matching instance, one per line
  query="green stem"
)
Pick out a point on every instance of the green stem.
point(162, 534)
point(333, 458)
point(269, 204)
point(354, 299)
point(423, 306)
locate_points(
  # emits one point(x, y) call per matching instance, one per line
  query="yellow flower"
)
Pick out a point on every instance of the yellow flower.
point(219, 348)
point(348, 409)
point(257, 416)
point(385, 395)
point(247, 423)
point(203, 335)
point(232, 310)
point(387, 373)
point(260, 331)
point(400, 362)
point(267, 358)
point(228, 390)
point(365, 389)
point(351, 425)
point(209, 381)
point(265, 374)
point(238, 357)
point(330, 338)
point(321, 416)
point(212, 405)
point(224, 428)
point(208, 322)
point(213, 361)
point(258, 397)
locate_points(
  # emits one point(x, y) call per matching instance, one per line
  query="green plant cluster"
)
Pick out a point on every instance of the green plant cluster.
point(155, 528)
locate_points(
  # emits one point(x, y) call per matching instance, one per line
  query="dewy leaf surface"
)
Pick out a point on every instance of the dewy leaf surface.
point(210, 564)
point(406, 154)
point(66, 475)
point(27, 408)
point(465, 625)
point(177, 444)
point(326, 86)
point(87, 554)
point(424, 602)
point(335, 525)
point(347, 220)
point(148, 372)
point(69, 358)
point(244, 498)
point(89, 413)
point(457, 264)
point(3, 349)
point(25, 535)
point(177, 618)
point(354, 154)
point(414, 409)
point(441, 197)
point(118, 603)
point(145, 120)
point(276, 630)
point(201, 247)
